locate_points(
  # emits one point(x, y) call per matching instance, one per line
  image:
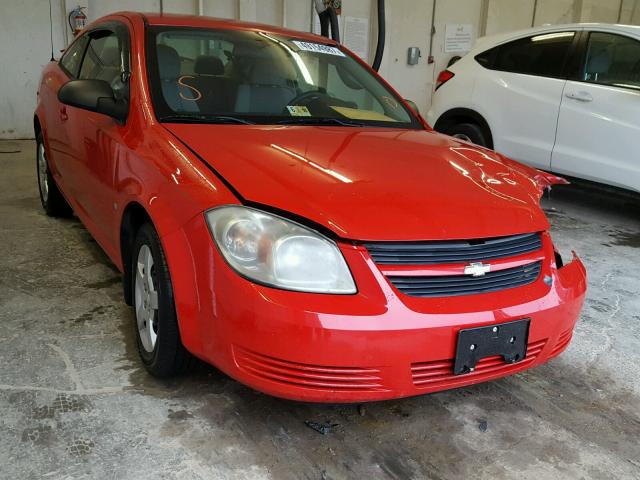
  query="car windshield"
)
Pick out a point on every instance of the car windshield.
point(240, 76)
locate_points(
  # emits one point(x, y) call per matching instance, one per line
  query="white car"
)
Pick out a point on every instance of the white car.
point(564, 99)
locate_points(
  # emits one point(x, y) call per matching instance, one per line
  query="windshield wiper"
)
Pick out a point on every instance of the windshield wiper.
point(320, 121)
point(195, 118)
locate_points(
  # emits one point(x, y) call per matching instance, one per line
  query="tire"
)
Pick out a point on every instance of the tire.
point(469, 132)
point(157, 333)
point(52, 200)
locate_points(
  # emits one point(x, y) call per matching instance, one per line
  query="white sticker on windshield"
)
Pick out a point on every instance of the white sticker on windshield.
point(318, 48)
point(298, 111)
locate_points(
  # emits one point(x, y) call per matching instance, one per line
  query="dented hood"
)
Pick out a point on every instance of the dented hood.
point(373, 184)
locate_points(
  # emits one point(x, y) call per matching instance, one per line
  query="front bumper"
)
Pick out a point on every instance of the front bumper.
point(374, 345)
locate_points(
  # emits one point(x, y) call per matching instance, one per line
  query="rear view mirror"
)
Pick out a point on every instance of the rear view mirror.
point(95, 96)
point(412, 106)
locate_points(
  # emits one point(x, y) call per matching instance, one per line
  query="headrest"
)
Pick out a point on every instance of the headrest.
point(111, 56)
point(168, 62)
point(266, 71)
point(599, 62)
point(208, 65)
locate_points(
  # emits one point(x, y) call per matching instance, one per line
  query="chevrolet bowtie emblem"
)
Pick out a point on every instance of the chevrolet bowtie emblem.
point(477, 269)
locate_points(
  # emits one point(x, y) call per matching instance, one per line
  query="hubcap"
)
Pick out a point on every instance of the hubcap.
point(462, 136)
point(43, 181)
point(146, 299)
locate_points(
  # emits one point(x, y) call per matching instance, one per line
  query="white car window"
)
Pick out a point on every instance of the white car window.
point(612, 60)
point(542, 55)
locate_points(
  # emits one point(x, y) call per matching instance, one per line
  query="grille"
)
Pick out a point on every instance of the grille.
point(458, 251)
point(562, 343)
point(431, 374)
point(455, 285)
point(309, 376)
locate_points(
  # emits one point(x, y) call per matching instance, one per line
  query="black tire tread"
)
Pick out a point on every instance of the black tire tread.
point(471, 130)
point(170, 357)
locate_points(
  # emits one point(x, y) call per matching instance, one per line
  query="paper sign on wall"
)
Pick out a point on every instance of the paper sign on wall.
point(356, 36)
point(458, 38)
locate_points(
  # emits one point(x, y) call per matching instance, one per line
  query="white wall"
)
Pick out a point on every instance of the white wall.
point(408, 24)
point(25, 48)
point(452, 11)
point(508, 15)
point(25, 28)
point(630, 12)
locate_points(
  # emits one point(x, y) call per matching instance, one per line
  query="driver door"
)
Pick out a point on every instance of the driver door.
point(97, 140)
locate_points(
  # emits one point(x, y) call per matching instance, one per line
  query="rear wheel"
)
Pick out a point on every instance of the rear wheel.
point(52, 200)
point(158, 336)
point(469, 132)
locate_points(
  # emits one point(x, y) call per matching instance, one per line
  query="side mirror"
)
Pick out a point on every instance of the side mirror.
point(95, 96)
point(413, 106)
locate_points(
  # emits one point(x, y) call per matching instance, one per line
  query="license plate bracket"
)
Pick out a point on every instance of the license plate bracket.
point(506, 339)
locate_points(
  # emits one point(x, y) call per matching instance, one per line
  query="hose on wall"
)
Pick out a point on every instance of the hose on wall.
point(377, 60)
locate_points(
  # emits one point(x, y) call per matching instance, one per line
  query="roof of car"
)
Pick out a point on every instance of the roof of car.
point(496, 39)
point(198, 21)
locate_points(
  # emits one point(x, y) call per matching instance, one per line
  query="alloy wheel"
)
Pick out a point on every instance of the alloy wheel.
point(462, 136)
point(146, 299)
point(43, 180)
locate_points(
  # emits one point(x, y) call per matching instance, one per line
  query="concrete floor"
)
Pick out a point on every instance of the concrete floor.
point(75, 403)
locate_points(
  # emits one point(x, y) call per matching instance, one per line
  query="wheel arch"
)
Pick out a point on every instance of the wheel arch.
point(133, 217)
point(37, 126)
point(179, 262)
point(463, 115)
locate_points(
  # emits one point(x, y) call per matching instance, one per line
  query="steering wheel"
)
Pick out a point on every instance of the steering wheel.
point(320, 101)
point(306, 98)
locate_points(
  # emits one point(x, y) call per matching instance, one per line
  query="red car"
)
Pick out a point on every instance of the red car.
point(278, 211)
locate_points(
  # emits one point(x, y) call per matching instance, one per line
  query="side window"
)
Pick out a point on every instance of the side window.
point(487, 58)
point(612, 60)
point(102, 60)
point(70, 61)
point(542, 55)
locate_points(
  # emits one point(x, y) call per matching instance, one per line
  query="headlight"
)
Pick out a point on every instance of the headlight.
point(271, 250)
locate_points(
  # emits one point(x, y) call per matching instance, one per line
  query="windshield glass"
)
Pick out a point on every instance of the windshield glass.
point(237, 76)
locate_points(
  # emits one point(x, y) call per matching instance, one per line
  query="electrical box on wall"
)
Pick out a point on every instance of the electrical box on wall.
point(413, 55)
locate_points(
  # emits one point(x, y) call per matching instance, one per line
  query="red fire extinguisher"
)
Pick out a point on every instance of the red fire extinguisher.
point(77, 19)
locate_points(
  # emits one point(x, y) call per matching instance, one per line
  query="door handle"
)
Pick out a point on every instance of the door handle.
point(580, 96)
point(63, 114)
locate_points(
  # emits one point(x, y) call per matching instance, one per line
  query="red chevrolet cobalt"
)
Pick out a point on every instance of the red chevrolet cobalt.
point(278, 211)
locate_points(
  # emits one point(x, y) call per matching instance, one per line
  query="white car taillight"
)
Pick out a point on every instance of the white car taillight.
point(443, 77)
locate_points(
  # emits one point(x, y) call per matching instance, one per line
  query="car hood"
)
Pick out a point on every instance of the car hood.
point(373, 183)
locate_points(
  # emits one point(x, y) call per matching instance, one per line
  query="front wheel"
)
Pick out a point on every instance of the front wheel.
point(158, 336)
point(469, 132)
point(52, 200)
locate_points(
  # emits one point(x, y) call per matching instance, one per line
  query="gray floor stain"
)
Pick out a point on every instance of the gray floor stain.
point(626, 239)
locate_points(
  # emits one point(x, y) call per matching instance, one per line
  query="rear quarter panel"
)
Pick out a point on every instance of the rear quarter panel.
point(457, 92)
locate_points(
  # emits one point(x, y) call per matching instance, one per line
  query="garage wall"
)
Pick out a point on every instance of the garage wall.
point(25, 48)
point(25, 28)
point(508, 15)
point(630, 12)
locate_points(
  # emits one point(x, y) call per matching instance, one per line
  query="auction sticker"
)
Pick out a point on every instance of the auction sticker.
point(298, 111)
point(318, 48)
